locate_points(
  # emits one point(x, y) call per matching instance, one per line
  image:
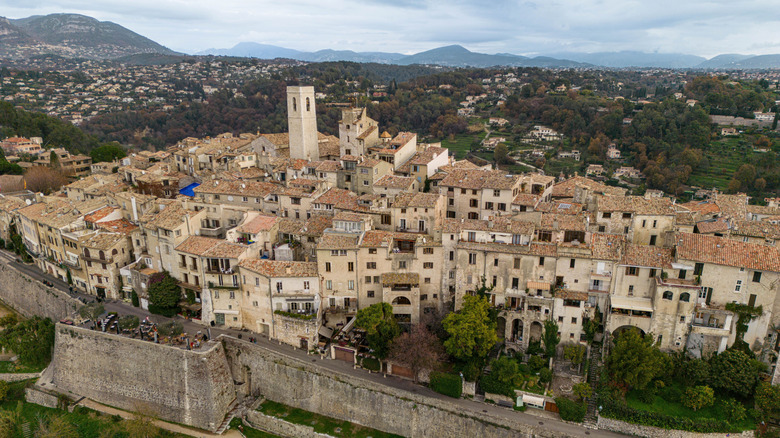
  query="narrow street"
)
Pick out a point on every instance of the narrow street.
point(535, 417)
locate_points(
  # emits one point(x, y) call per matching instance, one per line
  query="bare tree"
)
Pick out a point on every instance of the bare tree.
point(418, 349)
point(43, 179)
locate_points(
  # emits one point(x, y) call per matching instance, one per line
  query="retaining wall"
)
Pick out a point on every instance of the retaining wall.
point(299, 384)
point(656, 432)
point(277, 426)
point(31, 297)
point(190, 387)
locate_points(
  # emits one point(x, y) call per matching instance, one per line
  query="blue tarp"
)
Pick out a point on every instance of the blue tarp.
point(189, 190)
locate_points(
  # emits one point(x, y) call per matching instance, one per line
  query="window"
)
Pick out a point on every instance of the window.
point(626, 215)
point(427, 280)
point(685, 297)
point(376, 279)
point(631, 290)
point(232, 295)
point(698, 269)
point(351, 266)
point(541, 261)
point(681, 274)
point(545, 236)
point(496, 192)
point(625, 230)
point(652, 240)
point(501, 206)
point(351, 284)
point(427, 250)
point(632, 270)
point(668, 295)
point(606, 215)
point(602, 228)
point(428, 265)
point(517, 263)
point(752, 301)
point(370, 294)
point(370, 265)
point(738, 286)
point(402, 264)
point(257, 281)
point(652, 273)
point(472, 258)
point(495, 281)
point(308, 104)
point(488, 206)
point(372, 250)
point(327, 266)
point(452, 255)
point(757, 277)
point(655, 224)
point(574, 320)
point(473, 203)
point(644, 223)
point(368, 279)
point(305, 285)
point(495, 262)
point(560, 319)
point(571, 263)
point(472, 236)
point(329, 284)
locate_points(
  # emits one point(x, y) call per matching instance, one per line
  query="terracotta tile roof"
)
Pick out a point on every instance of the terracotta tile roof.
point(534, 249)
point(316, 225)
point(369, 162)
point(291, 226)
point(329, 146)
point(636, 204)
point(122, 226)
point(607, 246)
point(395, 182)
point(329, 166)
point(647, 256)
point(416, 199)
point(560, 207)
point(237, 188)
point(281, 140)
point(567, 294)
point(351, 217)
point(565, 189)
point(338, 241)
point(391, 278)
point(367, 132)
point(379, 238)
point(526, 199)
point(338, 198)
point(733, 206)
point(763, 210)
point(101, 241)
point(99, 214)
point(761, 229)
point(702, 207)
point(717, 225)
point(280, 269)
point(258, 224)
point(728, 252)
point(11, 203)
point(568, 222)
point(210, 247)
point(480, 179)
point(686, 218)
point(168, 218)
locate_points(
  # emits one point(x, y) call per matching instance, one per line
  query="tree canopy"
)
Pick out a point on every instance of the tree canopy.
point(472, 332)
point(164, 294)
point(380, 326)
point(635, 360)
point(32, 340)
point(735, 372)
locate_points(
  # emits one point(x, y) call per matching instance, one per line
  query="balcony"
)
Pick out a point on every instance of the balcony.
point(342, 309)
point(601, 274)
point(411, 230)
point(213, 285)
point(218, 232)
point(72, 263)
point(98, 260)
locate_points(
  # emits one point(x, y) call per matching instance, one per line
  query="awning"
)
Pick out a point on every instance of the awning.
point(538, 285)
point(533, 401)
point(326, 331)
point(628, 303)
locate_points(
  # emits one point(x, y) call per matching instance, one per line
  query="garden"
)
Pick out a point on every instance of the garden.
point(725, 393)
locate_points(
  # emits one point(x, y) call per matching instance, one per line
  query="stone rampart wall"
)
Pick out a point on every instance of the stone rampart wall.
point(279, 427)
point(190, 387)
point(656, 432)
point(31, 297)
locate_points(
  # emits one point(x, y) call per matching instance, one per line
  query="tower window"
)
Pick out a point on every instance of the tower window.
point(308, 104)
point(295, 105)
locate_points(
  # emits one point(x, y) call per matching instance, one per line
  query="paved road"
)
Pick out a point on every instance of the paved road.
point(337, 366)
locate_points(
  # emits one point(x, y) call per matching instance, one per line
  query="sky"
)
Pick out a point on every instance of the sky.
point(534, 27)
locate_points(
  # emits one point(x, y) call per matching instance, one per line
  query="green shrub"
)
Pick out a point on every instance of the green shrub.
point(545, 375)
point(612, 408)
point(134, 299)
point(447, 384)
point(370, 363)
point(534, 348)
point(470, 370)
point(164, 311)
point(571, 410)
point(735, 411)
point(646, 396)
point(699, 397)
point(672, 393)
point(521, 408)
point(524, 368)
point(536, 363)
point(491, 384)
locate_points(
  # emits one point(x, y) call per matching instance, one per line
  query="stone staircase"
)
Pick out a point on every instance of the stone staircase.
point(594, 371)
point(236, 410)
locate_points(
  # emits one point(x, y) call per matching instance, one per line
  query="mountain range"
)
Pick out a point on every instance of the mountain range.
point(80, 36)
point(72, 36)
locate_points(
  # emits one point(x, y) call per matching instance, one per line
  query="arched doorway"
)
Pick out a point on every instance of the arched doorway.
point(517, 330)
point(401, 301)
point(623, 328)
point(536, 331)
point(501, 327)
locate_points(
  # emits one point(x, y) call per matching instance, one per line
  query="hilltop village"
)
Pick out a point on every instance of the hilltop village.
point(290, 234)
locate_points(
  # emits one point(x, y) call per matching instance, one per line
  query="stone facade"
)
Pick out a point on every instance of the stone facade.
point(190, 387)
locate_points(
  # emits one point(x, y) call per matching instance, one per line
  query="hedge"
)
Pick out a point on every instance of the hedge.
point(447, 384)
point(621, 411)
point(492, 385)
point(571, 410)
point(370, 363)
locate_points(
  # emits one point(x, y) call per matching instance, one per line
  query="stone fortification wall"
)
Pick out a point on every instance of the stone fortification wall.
point(279, 427)
point(31, 297)
point(656, 432)
point(190, 387)
point(301, 385)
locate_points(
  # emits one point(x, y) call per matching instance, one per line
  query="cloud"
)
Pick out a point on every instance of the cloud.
point(704, 27)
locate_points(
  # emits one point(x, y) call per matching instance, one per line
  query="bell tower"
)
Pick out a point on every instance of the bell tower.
point(302, 123)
